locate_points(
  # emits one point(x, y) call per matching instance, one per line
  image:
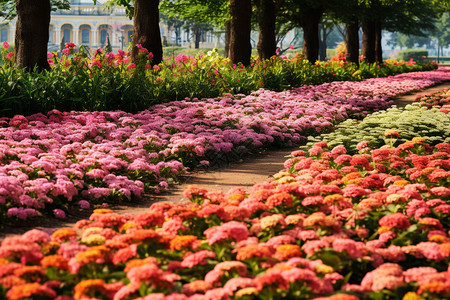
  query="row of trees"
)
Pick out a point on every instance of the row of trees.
point(238, 17)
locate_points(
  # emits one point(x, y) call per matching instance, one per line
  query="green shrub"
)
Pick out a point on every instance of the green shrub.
point(412, 121)
point(417, 55)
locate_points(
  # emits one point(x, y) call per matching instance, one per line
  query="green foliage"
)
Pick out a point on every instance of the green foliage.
point(412, 121)
point(414, 54)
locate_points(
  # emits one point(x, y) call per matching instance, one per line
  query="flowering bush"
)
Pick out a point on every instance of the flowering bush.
point(439, 99)
point(50, 162)
point(394, 126)
point(107, 81)
point(373, 225)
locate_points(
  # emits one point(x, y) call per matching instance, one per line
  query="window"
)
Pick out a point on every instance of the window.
point(103, 36)
point(85, 36)
point(66, 37)
point(4, 35)
point(50, 35)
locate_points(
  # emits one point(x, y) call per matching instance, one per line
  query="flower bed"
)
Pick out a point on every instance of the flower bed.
point(49, 162)
point(373, 225)
point(394, 126)
point(101, 81)
point(439, 99)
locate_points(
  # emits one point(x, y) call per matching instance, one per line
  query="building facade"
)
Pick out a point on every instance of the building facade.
point(94, 25)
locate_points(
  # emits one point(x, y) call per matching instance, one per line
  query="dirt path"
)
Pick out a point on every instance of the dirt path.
point(244, 174)
point(404, 100)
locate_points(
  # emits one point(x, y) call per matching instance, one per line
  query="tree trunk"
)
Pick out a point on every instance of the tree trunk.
point(197, 35)
point(378, 45)
point(33, 21)
point(368, 42)
point(323, 43)
point(309, 20)
point(240, 47)
point(267, 45)
point(352, 41)
point(227, 38)
point(146, 29)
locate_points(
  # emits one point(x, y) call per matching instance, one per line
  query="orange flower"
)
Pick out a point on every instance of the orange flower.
point(3, 261)
point(63, 234)
point(92, 254)
point(253, 251)
point(287, 251)
point(102, 211)
point(391, 133)
point(55, 261)
point(11, 280)
point(85, 287)
point(30, 273)
point(28, 290)
point(50, 248)
point(445, 249)
point(183, 241)
point(436, 287)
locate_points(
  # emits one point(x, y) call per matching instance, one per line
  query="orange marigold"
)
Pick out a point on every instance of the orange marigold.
point(63, 234)
point(445, 249)
point(56, 261)
point(253, 251)
point(30, 273)
point(436, 287)
point(85, 287)
point(102, 211)
point(284, 252)
point(92, 254)
point(50, 248)
point(28, 290)
point(11, 280)
point(182, 241)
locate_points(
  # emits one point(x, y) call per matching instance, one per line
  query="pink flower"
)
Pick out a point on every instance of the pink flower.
point(131, 66)
point(397, 220)
point(5, 45)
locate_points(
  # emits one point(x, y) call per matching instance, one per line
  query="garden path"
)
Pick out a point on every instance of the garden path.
point(245, 173)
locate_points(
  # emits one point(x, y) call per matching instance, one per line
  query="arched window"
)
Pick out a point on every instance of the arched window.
point(85, 36)
point(66, 37)
point(103, 36)
point(4, 35)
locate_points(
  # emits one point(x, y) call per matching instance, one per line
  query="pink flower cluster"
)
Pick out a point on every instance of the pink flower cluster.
point(439, 99)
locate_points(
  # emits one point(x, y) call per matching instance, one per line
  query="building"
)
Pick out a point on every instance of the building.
point(94, 25)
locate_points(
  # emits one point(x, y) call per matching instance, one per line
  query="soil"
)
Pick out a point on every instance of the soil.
point(245, 173)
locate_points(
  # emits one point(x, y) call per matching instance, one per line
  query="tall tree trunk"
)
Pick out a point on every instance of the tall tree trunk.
point(197, 35)
point(240, 46)
point(352, 41)
point(378, 43)
point(33, 21)
point(227, 38)
point(368, 41)
point(146, 29)
point(323, 42)
point(267, 44)
point(309, 20)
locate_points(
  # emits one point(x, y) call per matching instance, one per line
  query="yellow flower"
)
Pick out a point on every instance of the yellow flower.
point(401, 182)
point(412, 296)
point(246, 292)
point(94, 239)
point(271, 221)
point(418, 140)
point(383, 229)
point(323, 269)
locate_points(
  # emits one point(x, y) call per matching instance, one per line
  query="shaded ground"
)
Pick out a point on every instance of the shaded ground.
point(249, 171)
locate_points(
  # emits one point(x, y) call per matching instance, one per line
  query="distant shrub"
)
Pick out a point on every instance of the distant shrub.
point(417, 55)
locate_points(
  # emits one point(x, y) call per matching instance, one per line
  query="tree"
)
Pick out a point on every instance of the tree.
point(266, 12)
point(31, 37)
point(240, 29)
point(146, 32)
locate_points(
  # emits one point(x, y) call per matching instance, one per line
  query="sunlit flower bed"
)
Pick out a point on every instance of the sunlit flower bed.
point(439, 99)
point(50, 162)
point(373, 225)
point(394, 125)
